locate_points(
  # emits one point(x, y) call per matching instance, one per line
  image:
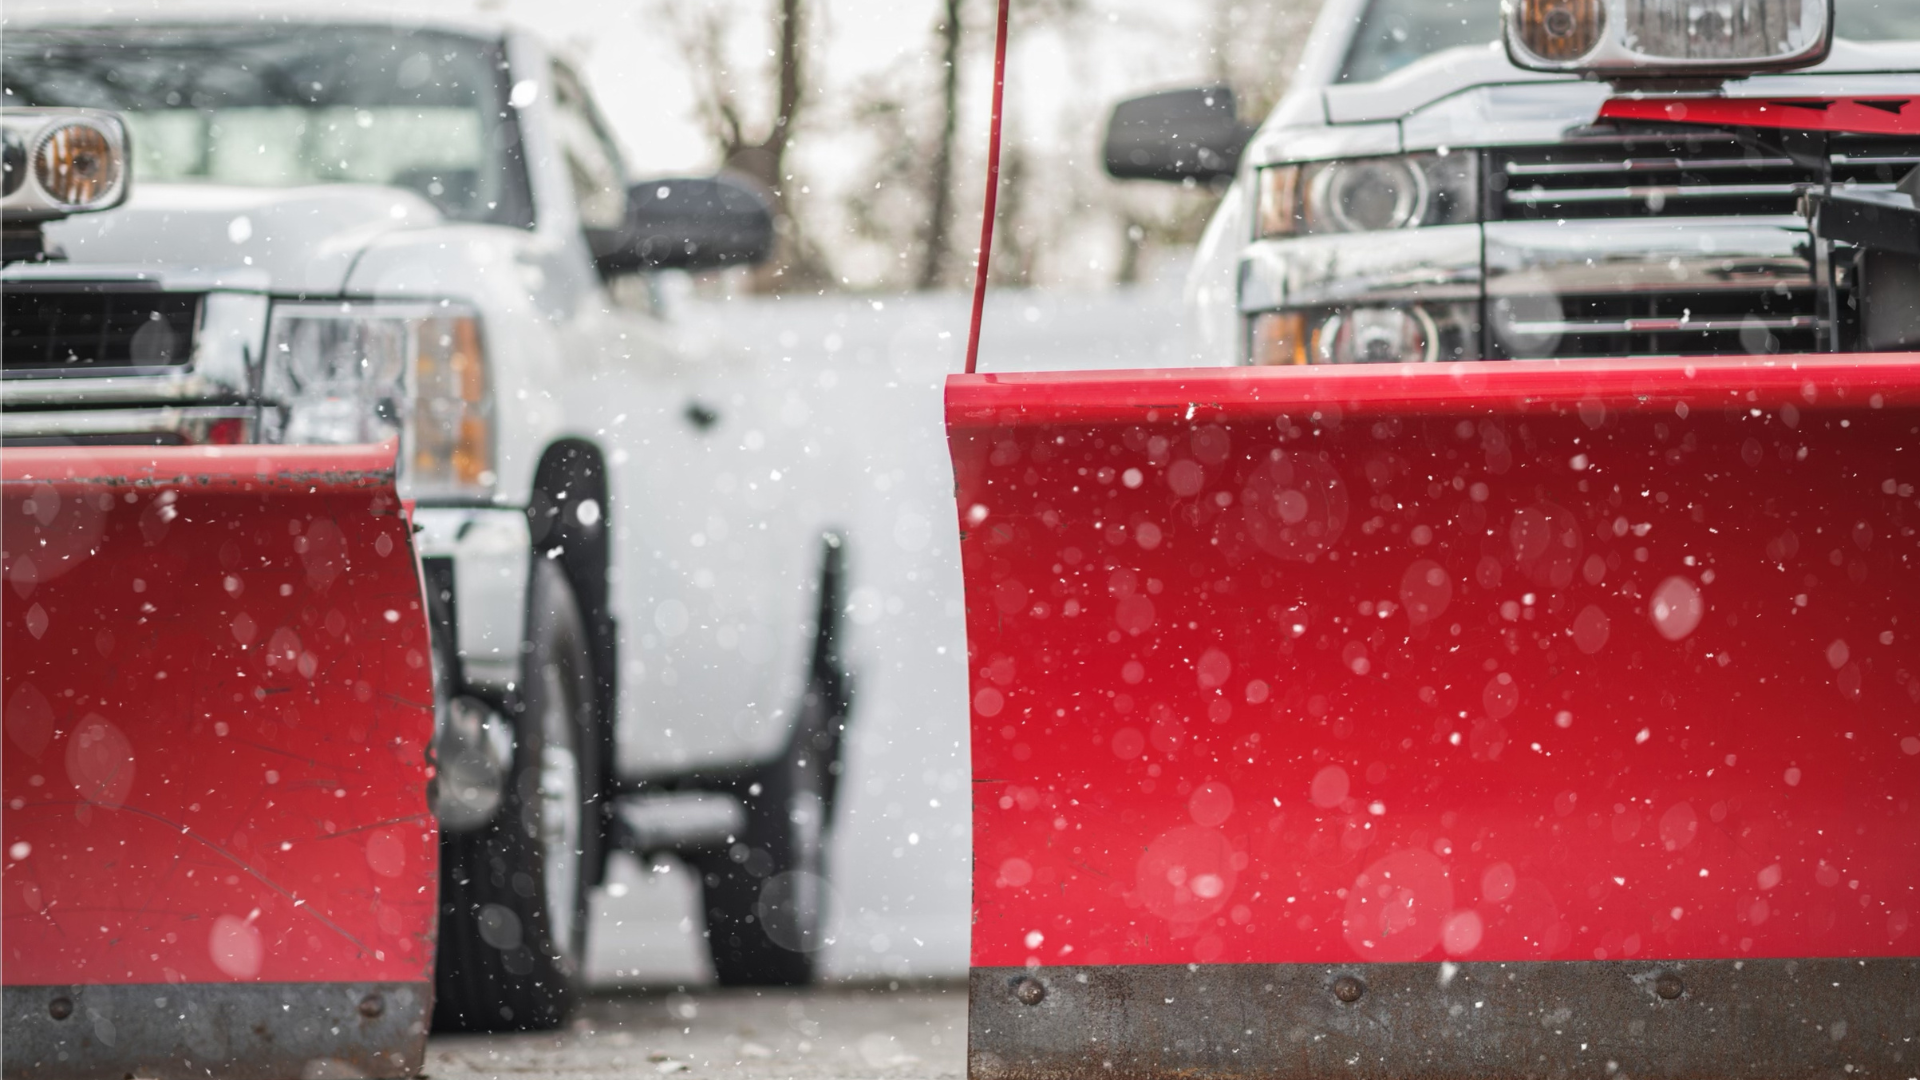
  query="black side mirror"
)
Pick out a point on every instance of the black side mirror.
point(1176, 135)
point(686, 223)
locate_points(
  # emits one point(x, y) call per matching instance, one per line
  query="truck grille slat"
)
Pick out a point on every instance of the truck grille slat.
point(1665, 326)
point(1675, 175)
point(1633, 165)
point(1674, 323)
point(1540, 196)
point(52, 332)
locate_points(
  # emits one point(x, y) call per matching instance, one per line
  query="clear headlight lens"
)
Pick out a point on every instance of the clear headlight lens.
point(1378, 335)
point(1722, 29)
point(1366, 334)
point(1367, 194)
point(359, 373)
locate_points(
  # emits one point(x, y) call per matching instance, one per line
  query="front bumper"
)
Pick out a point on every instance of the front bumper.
point(1599, 287)
point(165, 425)
point(491, 551)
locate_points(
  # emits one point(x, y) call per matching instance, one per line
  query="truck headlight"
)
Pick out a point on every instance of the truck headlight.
point(1366, 334)
point(1367, 194)
point(367, 372)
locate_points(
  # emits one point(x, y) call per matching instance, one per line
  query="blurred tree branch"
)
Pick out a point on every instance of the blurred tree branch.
point(935, 244)
point(705, 35)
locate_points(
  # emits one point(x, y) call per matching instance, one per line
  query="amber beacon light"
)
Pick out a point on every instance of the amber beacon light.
point(1559, 30)
point(1628, 39)
point(63, 161)
point(77, 164)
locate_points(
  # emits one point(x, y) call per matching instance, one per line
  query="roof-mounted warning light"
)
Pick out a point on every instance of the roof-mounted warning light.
point(1663, 39)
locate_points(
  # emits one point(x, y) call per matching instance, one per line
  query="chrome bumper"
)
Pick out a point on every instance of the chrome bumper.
point(491, 550)
point(161, 425)
point(1532, 258)
point(1414, 265)
point(1535, 274)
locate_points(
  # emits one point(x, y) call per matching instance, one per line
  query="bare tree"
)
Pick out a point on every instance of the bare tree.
point(1253, 48)
point(934, 247)
point(928, 164)
point(755, 150)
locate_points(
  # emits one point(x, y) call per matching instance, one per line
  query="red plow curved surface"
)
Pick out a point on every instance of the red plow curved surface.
point(1410, 675)
point(218, 705)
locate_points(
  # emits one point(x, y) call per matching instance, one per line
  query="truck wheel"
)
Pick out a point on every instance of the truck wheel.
point(513, 894)
point(766, 895)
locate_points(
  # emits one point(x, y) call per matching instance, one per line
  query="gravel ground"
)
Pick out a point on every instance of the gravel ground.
point(912, 1032)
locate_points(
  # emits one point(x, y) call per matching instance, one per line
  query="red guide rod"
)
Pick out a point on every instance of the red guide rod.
point(993, 187)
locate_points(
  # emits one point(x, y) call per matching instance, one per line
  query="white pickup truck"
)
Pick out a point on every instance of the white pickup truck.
point(1419, 195)
point(343, 232)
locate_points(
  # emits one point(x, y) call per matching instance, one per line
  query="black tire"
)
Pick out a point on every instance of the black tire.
point(765, 896)
point(513, 894)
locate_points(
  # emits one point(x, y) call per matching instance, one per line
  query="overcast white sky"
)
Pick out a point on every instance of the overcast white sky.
point(644, 88)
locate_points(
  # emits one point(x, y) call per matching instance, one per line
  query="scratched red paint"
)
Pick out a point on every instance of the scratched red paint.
point(1867, 116)
point(1490, 662)
point(217, 710)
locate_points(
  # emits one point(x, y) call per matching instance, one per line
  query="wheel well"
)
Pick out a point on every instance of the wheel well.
point(571, 474)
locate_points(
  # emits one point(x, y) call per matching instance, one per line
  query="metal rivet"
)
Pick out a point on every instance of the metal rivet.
point(1029, 991)
point(1348, 989)
point(371, 1006)
point(1668, 985)
point(60, 1008)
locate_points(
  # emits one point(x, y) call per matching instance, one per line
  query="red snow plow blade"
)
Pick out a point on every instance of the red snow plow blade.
point(1481, 720)
point(218, 854)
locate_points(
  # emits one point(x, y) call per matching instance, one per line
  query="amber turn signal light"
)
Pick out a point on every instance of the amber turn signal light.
point(78, 165)
point(1279, 339)
point(1560, 30)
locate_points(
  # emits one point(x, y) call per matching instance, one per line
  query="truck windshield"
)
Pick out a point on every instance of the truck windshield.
point(1395, 33)
point(288, 105)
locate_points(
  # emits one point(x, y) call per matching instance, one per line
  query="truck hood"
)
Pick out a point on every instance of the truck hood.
point(289, 241)
point(1474, 96)
point(1444, 74)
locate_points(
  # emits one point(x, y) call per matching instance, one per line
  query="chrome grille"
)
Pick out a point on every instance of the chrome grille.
point(1689, 323)
point(94, 330)
point(1704, 175)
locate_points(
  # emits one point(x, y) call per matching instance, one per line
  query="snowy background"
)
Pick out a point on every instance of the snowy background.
point(1090, 277)
point(900, 858)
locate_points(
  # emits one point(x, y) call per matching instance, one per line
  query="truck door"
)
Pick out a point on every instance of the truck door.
point(709, 564)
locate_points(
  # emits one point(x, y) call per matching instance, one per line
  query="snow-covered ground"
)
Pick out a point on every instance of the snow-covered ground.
point(900, 857)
